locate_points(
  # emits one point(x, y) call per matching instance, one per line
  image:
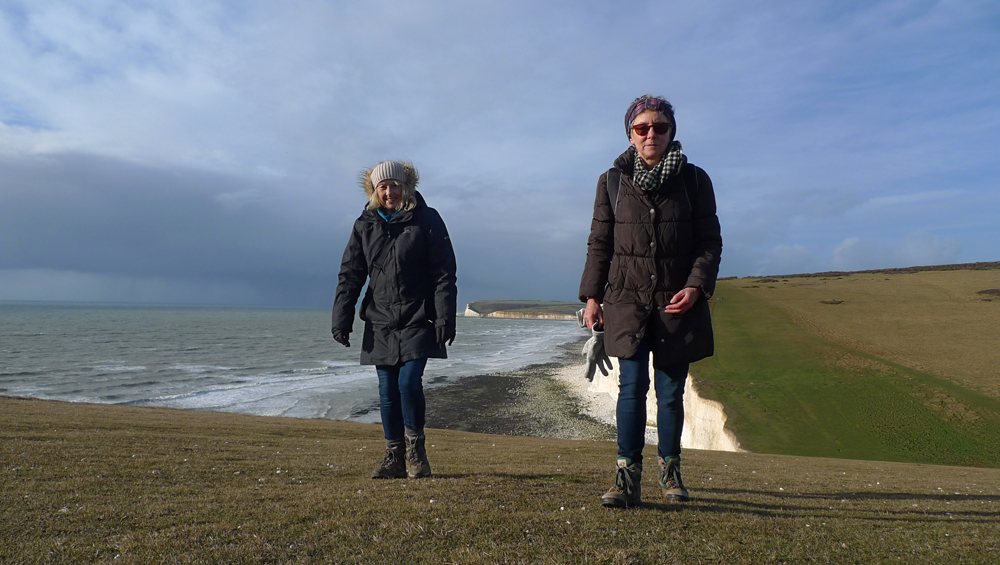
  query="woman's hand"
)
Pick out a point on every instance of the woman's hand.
point(683, 300)
point(445, 335)
point(341, 337)
point(593, 315)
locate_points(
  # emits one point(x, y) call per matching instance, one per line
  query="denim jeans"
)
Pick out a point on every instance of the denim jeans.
point(633, 385)
point(401, 397)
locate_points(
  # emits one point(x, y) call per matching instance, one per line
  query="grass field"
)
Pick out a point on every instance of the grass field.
point(484, 307)
point(898, 366)
point(86, 483)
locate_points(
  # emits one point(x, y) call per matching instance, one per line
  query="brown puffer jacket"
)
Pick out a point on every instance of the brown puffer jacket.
point(639, 256)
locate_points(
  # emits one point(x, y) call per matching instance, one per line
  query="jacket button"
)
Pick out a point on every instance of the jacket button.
point(652, 245)
point(652, 211)
point(652, 278)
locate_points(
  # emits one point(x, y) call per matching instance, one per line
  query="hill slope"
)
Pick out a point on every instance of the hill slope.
point(891, 365)
point(112, 484)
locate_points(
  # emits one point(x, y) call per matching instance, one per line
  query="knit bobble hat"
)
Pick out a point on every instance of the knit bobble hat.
point(388, 170)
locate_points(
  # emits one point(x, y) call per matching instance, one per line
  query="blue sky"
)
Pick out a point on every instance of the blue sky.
point(208, 152)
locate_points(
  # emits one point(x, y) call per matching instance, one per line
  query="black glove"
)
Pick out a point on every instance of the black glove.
point(341, 336)
point(445, 334)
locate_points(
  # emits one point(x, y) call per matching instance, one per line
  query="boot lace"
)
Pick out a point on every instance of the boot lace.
point(624, 481)
point(417, 453)
point(390, 459)
point(671, 477)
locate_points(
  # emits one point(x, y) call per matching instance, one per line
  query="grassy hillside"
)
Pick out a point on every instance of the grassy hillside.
point(110, 484)
point(540, 306)
point(899, 366)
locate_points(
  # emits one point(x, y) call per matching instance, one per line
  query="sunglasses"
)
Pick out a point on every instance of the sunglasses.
point(659, 128)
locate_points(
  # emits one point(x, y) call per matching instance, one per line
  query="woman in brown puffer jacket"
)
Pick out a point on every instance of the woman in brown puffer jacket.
point(652, 261)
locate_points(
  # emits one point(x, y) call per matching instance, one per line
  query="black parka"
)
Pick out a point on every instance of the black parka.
point(639, 256)
point(410, 267)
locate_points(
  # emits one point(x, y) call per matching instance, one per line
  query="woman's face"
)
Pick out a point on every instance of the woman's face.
point(651, 146)
point(389, 193)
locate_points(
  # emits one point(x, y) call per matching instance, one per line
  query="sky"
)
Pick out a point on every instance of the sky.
point(206, 152)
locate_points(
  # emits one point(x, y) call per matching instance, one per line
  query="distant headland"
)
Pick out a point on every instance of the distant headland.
point(532, 309)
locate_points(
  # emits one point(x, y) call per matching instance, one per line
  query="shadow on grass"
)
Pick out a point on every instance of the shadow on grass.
point(837, 496)
point(557, 477)
point(916, 514)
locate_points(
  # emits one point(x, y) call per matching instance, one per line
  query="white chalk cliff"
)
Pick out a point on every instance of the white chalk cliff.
point(704, 420)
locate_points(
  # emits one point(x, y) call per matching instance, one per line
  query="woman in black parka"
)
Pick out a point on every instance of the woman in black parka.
point(400, 246)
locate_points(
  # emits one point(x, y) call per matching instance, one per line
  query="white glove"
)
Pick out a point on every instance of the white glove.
point(593, 350)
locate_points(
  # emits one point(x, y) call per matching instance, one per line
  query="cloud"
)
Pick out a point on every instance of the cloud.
point(113, 220)
point(214, 145)
point(72, 286)
point(914, 249)
point(788, 259)
point(91, 226)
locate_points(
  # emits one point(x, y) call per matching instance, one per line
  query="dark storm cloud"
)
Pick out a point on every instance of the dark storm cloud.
point(200, 230)
point(90, 214)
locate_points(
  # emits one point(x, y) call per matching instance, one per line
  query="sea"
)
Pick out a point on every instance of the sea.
point(261, 361)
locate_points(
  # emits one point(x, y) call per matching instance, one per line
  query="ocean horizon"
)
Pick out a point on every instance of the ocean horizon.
point(267, 361)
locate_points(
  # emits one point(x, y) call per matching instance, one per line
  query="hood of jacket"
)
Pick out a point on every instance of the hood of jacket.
point(409, 186)
point(371, 214)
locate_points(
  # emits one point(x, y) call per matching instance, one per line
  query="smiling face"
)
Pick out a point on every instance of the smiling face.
point(390, 194)
point(651, 146)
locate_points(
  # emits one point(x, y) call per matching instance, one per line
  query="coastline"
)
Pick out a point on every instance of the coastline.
point(554, 400)
point(532, 401)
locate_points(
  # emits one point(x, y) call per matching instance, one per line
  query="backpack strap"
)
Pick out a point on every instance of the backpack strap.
point(690, 176)
point(613, 184)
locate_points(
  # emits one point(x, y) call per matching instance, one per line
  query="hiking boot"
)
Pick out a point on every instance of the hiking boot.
point(417, 465)
point(671, 485)
point(628, 485)
point(393, 464)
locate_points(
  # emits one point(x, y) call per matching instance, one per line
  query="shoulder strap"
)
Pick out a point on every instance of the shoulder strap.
point(690, 176)
point(614, 183)
point(690, 182)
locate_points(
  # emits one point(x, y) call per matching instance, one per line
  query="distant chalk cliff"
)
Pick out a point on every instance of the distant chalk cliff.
point(522, 310)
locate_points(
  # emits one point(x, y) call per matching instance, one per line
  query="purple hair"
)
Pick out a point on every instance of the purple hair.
point(648, 102)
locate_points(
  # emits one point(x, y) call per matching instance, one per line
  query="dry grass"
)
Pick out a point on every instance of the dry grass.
point(943, 322)
point(841, 389)
point(106, 484)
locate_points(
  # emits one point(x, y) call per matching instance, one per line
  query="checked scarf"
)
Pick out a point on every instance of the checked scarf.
point(671, 163)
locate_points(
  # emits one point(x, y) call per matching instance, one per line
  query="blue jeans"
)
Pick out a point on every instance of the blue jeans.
point(633, 385)
point(401, 397)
